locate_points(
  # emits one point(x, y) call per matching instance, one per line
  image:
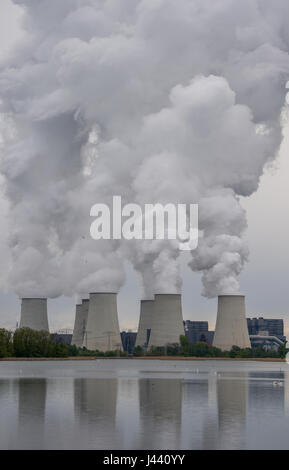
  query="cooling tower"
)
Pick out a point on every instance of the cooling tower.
point(80, 323)
point(84, 313)
point(34, 314)
point(145, 323)
point(167, 324)
point(102, 328)
point(231, 326)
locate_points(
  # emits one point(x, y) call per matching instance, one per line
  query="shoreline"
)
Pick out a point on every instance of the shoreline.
point(144, 358)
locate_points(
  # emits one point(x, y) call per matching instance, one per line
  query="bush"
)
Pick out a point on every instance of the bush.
point(173, 349)
point(157, 351)
point(138, 351)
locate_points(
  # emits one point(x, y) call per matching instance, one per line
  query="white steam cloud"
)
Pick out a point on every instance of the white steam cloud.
point(153, 100)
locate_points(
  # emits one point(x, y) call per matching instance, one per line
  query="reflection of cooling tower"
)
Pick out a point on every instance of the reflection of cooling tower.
point(34, 314)
point(167, 325)
point(160, 402)
point(231, 326)
point(95, 407)
point(80, 323)
point(145, 322)
point(95, 399)
point(232, 393)
point(102, 328)
point(31, 413)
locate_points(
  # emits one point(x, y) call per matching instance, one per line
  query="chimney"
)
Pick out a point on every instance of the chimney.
point(231, 326)
point(167, 324)
point(102, 328)
point(34, 314)
point(145, 322)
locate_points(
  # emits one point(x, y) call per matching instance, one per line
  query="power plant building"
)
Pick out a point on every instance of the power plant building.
point(128, 339)
point(267, 326)
point(167, 325)
point(34, 314)
point(231, 326)
point(197, 331)
point(102, 327)
point(81, 313)
point(145, 323)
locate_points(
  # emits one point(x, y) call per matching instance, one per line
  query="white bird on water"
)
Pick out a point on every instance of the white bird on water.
point(278, 383)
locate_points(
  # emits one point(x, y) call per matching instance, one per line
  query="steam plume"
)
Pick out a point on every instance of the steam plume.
point(153, 100)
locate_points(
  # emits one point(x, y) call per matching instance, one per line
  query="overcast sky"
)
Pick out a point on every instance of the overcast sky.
point(264, 279)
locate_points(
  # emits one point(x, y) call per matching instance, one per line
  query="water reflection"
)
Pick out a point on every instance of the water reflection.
point(212, 409)
point(266, 393)
point(95, 399)
point(128, 416)
point(198, 413)
point(232, 394)
point(8, 412)
point(31, 413)
point(160, 402)
point(95, 402)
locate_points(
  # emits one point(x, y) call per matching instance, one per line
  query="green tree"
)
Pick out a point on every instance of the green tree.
point(283, 350)
point(138, 351)
point(173, 349)
point(185, 346)
point(202, 349)
point(6, 345)
point(31, 343)
point(157, 351)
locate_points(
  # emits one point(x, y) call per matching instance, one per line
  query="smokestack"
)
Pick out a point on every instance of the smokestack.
point(145, 322)
point(80, 323)
point(34, 314)
point(231, 326)
point(167, 325)
point(102, 328)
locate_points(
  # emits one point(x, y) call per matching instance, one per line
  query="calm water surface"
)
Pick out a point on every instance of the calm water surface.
point(138, 404)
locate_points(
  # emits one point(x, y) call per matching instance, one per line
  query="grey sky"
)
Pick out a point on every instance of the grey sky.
point(264, 279)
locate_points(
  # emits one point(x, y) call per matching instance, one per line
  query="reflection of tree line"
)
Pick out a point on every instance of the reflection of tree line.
point(171, 411)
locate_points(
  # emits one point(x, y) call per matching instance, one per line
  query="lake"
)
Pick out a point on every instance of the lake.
point(144, 404)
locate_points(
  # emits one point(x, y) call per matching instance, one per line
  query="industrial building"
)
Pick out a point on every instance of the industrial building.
point(267, 333)
point(145, 323)
point(267, 342)
point(198, 331)
point(96, 325)
point(267, 326)
point(34, 314)
point(231, 326)
point(102, 327)
point(167, 325)
point(81, 313)
point(79, 328)
point(128, 339)
point(59, 337)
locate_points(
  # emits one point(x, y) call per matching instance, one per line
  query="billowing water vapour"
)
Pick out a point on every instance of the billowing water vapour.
point(153, 100)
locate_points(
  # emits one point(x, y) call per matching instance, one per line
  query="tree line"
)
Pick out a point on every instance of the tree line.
point(202, 349)
point(25, 342)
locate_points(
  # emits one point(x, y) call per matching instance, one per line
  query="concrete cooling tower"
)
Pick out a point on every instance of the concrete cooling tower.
point(102, 328)
point(81, 313)
point(167, 324)
point(231, 326)
point(34, 314)
point(145, 322)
